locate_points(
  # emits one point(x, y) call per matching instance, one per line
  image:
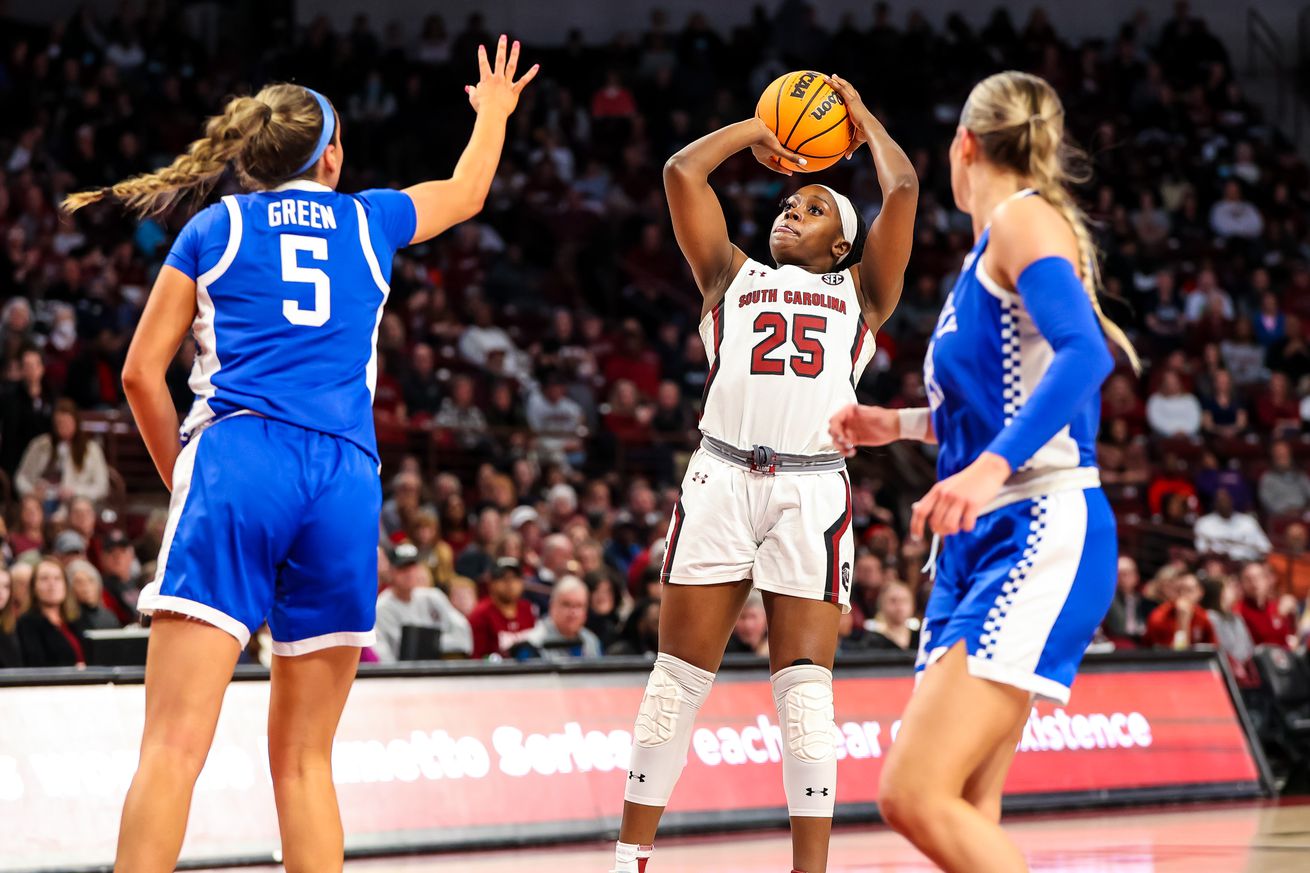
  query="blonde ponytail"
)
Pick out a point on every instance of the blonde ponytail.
point(1019, 122)
point(266, 137)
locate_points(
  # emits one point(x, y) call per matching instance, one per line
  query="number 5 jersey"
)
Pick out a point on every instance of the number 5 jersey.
point(290, 285)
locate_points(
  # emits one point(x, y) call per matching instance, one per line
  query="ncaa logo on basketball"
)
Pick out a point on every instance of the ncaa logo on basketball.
point(803, 84)
point(834, 278)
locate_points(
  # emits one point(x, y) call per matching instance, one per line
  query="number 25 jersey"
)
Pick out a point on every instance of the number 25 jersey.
point(786, 348)
point(290, 285)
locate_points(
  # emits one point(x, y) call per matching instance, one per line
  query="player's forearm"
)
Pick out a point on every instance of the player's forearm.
point(156, 419)
point(476, 167)
point(895, 169)
point(696, 161)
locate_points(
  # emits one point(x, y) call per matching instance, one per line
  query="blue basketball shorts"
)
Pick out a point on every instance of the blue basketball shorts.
point(1025, 591)
point(272, 522)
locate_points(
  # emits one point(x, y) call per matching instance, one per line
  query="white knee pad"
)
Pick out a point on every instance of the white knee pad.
point(674, 695)
point(803, 695)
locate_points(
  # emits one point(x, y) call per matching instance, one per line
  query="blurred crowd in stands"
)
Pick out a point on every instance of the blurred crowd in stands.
point(541, 367)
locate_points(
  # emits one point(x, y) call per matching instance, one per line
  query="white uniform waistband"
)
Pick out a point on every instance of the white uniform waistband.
point(1035, 483)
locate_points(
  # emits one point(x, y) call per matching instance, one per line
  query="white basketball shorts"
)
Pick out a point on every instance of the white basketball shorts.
point(788, 533)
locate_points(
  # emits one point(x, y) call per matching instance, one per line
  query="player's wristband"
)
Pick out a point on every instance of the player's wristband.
point(914, 423)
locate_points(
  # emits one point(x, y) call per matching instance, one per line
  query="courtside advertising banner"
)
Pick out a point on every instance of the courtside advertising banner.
point(443, 760)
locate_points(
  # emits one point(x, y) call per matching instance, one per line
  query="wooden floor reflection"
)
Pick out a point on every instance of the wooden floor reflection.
point(1251, 838)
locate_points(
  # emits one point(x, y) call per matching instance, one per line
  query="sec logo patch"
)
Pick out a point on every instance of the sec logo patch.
point(834, 278)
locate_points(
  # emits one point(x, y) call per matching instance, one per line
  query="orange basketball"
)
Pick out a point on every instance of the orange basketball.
point(809, 118)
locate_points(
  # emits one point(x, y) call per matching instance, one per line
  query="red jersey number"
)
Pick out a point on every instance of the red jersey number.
point(804, 336)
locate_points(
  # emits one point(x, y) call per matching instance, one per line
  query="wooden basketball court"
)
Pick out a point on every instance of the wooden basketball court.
point(1247, 838)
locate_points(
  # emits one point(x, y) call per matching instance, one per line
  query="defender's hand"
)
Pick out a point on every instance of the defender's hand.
point(496, 90)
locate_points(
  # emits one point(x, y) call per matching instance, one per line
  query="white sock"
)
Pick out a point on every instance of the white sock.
point(627, 856)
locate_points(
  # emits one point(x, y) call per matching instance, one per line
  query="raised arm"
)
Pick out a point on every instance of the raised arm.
point(698, 222)
point(444, 203)
point(890, 238)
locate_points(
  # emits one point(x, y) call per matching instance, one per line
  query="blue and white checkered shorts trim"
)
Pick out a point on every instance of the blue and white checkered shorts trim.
point(1011, 361)
point(1018, 576)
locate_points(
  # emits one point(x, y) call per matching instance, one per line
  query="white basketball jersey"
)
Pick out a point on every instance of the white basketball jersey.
point(786, 348)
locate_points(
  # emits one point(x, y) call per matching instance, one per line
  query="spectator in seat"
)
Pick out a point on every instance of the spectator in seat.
point(29, 530)
point(1121, 456)
point(641, 632)
point(50, 632)
point(1291, 564)
point(1284, 488)
point(1291, 354)
point(1231, 631)
point(83, 520)
point(1125, 623)
point(478, 556)
point(1222, 412)
point(673, 419)
point(11, 654)
point(432, 549)
point(606, 607)
point(1213, 476)
point(461, 415)
point(419, 385)
point(64, 463)
point(20, 581)
point(484, 336)
point(751, 635)
point(1180, 622)
point(404, 504)
point(556, 563)
point(500, 619)
point(1234, 535)
point(1243, 355)
point(25, 410)
point(118, 569)
point(1173, 479)
point(463, 595)
point(852, 636)
point(1171, 411)
point(558, 421)
point(1119, 402)
point(412, 600)
point(563, 633)
point(1277, 410)
point(1270, 323)
point(1165, 322)
point(1270, 619)
point(894, 627)
point(69, 546)
point(867, 579)
point(1234, 217)
point(1207, 300)
point(89, 590)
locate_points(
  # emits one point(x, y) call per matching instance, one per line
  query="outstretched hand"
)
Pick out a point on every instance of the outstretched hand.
point(496, 90)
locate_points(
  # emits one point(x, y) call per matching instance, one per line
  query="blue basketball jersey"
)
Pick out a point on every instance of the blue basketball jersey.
point(985, 359)
point(290, 285)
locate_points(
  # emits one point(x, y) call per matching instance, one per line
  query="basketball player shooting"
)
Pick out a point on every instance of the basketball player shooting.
point(766, 499)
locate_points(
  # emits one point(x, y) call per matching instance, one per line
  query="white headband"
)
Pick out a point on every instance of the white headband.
point(850, 224)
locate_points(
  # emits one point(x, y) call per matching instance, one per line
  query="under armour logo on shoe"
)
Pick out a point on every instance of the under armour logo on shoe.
point(810, 792)
point(641, 777)
point(700, 478)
